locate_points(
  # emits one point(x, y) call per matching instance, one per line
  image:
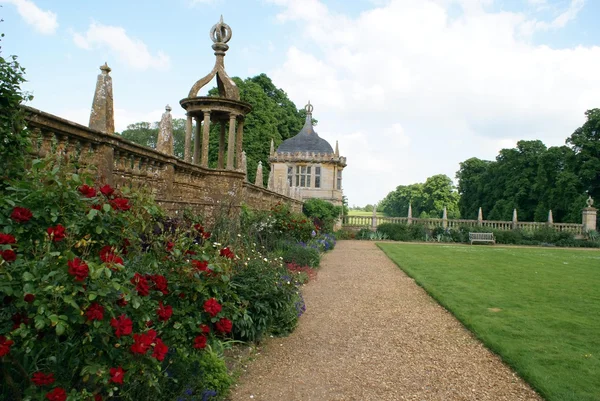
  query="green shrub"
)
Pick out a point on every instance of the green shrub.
point(324, 214)
point(301, 254)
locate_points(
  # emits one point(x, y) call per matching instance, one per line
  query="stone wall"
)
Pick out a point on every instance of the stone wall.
point(175, 184)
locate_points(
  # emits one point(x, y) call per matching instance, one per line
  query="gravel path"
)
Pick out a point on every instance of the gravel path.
point(370, 333)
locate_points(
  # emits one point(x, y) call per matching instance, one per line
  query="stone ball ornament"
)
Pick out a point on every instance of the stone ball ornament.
point(220, 32)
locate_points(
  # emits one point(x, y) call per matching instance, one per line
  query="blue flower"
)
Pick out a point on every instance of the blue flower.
point(206, 394)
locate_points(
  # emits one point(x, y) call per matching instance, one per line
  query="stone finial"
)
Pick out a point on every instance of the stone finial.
point(270, 181)
point(589, 202)
point(410, 210)
point(445, 214)
point(337, 149)
point(550, 218)
point(272, 150)
point(245, 165)
point(164, 142)
point(259, 176)
point(220, 33)
point(374, 210)
point(480, 215)
point(102, 115)
point(514, 219)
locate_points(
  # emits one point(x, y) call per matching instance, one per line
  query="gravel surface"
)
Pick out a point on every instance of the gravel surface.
point(371, 333)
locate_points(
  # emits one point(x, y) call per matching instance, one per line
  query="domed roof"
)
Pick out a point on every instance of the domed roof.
point(307, 140)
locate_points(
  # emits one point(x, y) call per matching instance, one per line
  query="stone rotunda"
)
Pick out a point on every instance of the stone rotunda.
point(308, 165)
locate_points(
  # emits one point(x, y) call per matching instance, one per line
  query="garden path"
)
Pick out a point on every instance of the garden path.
point(371, 333)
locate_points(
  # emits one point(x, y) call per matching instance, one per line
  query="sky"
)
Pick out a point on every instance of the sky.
point(409, 88)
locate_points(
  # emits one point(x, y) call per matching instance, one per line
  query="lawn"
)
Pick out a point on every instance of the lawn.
point(538, 308)
point(362, 213)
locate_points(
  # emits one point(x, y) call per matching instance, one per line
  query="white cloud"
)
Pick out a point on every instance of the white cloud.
point(45, 22)
point(131, 51)
point(458, 86)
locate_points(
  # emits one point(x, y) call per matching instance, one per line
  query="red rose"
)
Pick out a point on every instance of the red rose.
point(78, 268)
point(116, 375)
point(160, 350)
point(160, 283)
point(7, 239)
point(122, 325)
point(170, 246)
point(9, 255)
point(200, 265)
point(200, 342)
point(97, 207)
point(21, 214)
point(206, 235)
point(212, 307)
point(56, 233)
point(29, 298)
point(95, 312)
point(122, 301)
point(164, 312)
point(141, 284)
point(182, 295)
point(18, 318)
point(227, 253)
point(224, 325)
point(120, 204)
point(188, 252)
point(58, 394)
point(107, 190)
point(149, 323)
point(42, 379)
point(126, 244)
point(143, 342)
point(87, 191)
point(97, 397)
point(5, 346)
point(108, 256)
point(204, 328)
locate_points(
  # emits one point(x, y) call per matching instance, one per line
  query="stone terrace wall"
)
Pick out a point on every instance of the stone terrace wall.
point(175, 184)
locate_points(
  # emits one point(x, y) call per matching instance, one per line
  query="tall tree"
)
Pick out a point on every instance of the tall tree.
point(585, 141)
point(471, 179)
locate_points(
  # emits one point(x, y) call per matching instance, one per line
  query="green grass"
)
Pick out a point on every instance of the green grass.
point(361, 213)
point(548, 326)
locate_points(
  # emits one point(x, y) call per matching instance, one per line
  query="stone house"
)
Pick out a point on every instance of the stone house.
point(308, 165)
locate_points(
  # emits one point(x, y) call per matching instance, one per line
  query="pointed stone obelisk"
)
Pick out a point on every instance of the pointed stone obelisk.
point(259, 182)
point(270, 181)
point(409, 221)
point(445, 218)
point(245, 165)
point(272, 149)
point(337, 149)
point(514, 219)
point(550, 218)
point(164, 143)
point(102, 116)
point(479, 216)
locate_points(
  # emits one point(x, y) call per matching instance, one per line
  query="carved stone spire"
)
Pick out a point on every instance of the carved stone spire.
point(272, 150)
point(270, 182)
point(550, 218)
point(164, 142)
point(337, 149)
point(259, 176)
point(102, 116)
point(480, 215)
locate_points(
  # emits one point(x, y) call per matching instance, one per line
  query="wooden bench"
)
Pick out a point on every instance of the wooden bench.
point(481, 237)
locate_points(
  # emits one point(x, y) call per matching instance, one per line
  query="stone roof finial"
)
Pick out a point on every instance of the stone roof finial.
point(168, 108)
point(589, 202)
point(220, 34)
point(105, 68)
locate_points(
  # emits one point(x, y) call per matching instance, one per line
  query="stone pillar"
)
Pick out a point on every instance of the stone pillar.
point(514, 219)
point(272, 148)
point(220, 162)
point(589, 216)
point(409, 221)
point(187, 154)
point(231, 142)
point(102, 116)
point(259, 176)
point(205, 135)
point(197, 141)
point(445, 218)
point(164, 142)
point(238, 145)
point(550, 218)
point(480, 217)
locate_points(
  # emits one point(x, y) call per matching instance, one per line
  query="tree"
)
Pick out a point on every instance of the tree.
point(14, 139)
point(585, 142)
point(471, 178)
point(146, 134)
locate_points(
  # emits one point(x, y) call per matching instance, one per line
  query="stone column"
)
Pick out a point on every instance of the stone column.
point(244, 168)
point(589, 216)
point(238, 145)
point(409, 221)
point(197, 140)
point(187, 155)
point(164, 143)
point(231, 142)
point(205, 135)
point(550, 218)
point(220, 164)
point(259, 175)
point(514, 219)
point(480, 217)
point(102, 115)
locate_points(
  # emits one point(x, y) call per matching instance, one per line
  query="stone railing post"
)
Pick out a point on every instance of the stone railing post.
point(445, 218)
point(514, 219)
point(589, 216)
point(409, 221)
